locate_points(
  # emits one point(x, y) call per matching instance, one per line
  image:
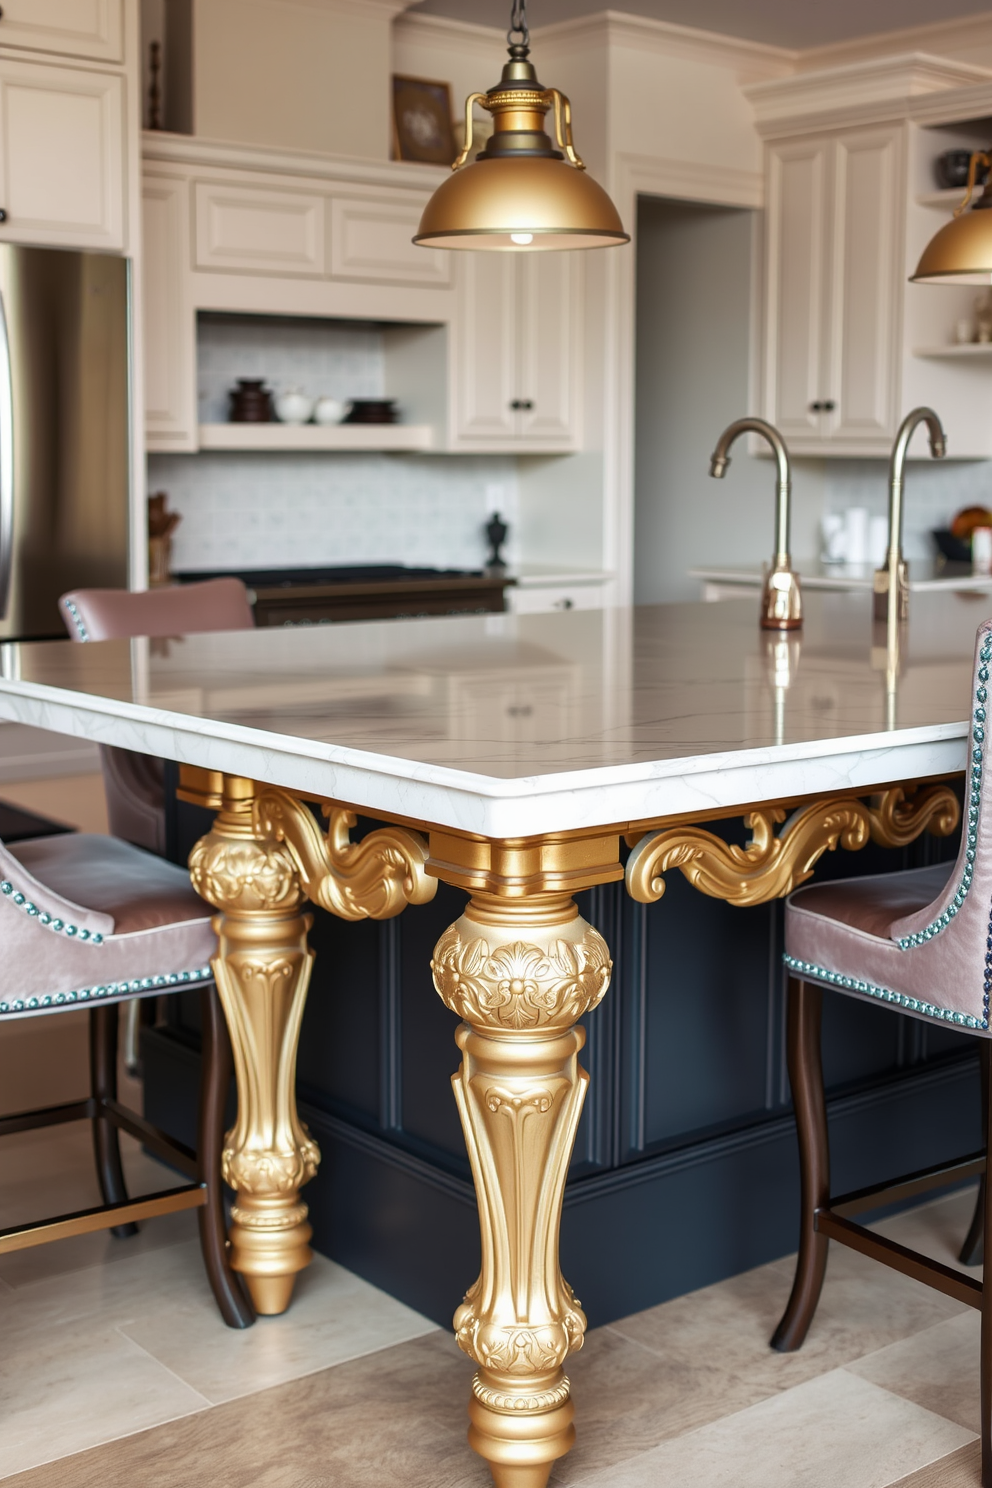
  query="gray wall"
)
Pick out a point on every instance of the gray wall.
point(694, 296)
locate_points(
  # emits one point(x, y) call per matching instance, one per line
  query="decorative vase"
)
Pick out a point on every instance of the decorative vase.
point(293, 406)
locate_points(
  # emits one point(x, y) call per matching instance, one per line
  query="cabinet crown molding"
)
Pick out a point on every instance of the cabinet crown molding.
point(688, 43)
point(158, 148)
point(871, 91)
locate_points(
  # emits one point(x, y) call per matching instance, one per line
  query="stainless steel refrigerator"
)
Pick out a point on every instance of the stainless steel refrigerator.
point(64, 431)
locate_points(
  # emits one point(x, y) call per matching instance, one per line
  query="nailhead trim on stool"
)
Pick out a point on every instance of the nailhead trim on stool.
point(161, 982)
point(854, 984)
point(44, 918)
point(77, 620)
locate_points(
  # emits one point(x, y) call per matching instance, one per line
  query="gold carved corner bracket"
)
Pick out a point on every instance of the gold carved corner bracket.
point(771, 865)
point(372, 879)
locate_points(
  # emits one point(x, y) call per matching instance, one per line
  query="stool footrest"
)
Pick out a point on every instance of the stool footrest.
point(910, 1262)
point(104, 1217)
point(909, 1185)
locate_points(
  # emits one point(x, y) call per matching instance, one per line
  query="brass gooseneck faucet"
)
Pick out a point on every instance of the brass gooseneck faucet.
point(781, 599)
point(894, 577)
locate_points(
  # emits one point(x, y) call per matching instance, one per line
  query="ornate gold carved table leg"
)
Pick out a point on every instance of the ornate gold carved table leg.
point(264, 856)
point(520, 970)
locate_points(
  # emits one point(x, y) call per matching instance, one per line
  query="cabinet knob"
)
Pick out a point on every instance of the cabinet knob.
point(522, 405)
point(825, 405)
point(3, 214)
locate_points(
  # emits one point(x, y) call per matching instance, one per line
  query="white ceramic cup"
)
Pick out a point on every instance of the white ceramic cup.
point(981, 550)
point(856, 534)
point(329, 410)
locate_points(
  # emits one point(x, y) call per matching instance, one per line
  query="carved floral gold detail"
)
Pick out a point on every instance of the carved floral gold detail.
point(372, 879)
point(520, 978)
point(240, 875)
point(520, 985)
point(771, 866)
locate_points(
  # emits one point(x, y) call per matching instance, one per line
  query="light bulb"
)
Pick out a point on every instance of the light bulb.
point(523, 240)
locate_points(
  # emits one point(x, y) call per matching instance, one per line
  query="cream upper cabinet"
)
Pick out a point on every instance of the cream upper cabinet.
point(61, 156)
point(515, 351)
point(832, 288)
point(169, 319)
point(68, 28)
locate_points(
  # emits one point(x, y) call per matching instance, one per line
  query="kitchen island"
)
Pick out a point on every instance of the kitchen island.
point(509, 756)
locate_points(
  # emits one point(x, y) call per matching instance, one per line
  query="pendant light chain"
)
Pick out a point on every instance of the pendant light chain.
point(518, 24)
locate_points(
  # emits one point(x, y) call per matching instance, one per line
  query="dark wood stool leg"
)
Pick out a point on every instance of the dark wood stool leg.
point(215, 1080)
point(986, 1370)
point(973, 1249)
point(806, 1074)
point(103, 1085)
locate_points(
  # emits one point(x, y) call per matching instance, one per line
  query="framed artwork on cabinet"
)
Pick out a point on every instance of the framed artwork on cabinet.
point(422, 121)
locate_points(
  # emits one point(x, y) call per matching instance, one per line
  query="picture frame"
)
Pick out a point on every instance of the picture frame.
point(422, 128)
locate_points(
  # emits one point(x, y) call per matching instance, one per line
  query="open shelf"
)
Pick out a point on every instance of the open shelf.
point(967, 350)
point(344, 438)
point(950, 198)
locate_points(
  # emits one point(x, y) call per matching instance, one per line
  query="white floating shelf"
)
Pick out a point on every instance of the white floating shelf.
point(968, 350)
point(949, 198)
point(328, 437)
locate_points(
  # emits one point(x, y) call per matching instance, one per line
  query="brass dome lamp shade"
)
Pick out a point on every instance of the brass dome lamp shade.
point(520, 194)
point(961, 252)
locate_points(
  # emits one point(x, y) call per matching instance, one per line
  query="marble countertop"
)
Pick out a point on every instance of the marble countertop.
point(509, 725)
point(924, 574)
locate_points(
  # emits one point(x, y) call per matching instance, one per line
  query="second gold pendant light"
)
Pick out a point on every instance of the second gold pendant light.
point(520, 194)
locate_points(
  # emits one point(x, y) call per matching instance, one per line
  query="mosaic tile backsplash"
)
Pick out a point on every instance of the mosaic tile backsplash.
point(290, 510)
point(285, 511)
point(934, 491)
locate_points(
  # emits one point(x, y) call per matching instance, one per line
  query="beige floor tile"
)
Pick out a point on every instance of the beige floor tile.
point(391, 1420)
point(335, 1316)
point(837, 1431)
point(937, 1228)
point(82, 1384)
point(937, 1368)
point(76, 800)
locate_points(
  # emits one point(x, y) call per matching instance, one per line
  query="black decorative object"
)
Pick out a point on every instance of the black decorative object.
point(952, 169)
point(496, 531)
point(372, 411)
point(251, 402)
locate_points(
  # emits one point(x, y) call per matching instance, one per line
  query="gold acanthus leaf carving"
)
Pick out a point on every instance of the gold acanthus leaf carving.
point(898, 817)
point(768, 867)
point(238, 875)
point(518, 985)
point(372, 879)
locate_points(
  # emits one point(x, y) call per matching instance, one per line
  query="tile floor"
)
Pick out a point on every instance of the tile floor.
point(116, 1372)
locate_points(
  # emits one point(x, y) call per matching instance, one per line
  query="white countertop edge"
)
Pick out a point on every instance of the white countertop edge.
point(492, 806)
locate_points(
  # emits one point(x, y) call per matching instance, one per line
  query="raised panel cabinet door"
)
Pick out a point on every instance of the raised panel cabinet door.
point(483, 350)
point(61, 156)
point(549, 341)
point(867, 289)
point(259, 230)
point(372, 240)
point(71, 28)
point(168, 326)
point(796, 344)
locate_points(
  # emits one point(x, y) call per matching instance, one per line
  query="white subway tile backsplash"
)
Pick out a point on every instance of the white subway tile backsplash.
point(934, 491)
point(278, 510)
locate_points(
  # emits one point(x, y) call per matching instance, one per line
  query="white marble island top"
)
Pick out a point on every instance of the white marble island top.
point(513, 725)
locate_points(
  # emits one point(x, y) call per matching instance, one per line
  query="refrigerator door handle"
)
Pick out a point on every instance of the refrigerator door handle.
point(6, 464)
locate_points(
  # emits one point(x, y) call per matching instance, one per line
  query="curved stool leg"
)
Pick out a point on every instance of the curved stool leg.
point(235, 1308)
point(103, 1086)
point(973, 1249)
point(806, 1074)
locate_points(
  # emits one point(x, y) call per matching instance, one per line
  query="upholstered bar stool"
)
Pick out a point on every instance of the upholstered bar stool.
point(133, 782)
point(920, 943)
point(86, 922)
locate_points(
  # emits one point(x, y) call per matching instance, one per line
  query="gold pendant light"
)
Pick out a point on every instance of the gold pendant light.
point(961, 253)
point(520, 194)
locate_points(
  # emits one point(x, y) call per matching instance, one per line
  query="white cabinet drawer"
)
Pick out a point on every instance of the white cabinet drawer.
point(373, 240)
point(258, 231)
point(61, 156)
point(543, 601)
point(71, 28)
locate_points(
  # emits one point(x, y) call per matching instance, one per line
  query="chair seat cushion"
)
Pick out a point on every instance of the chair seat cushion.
point(138, 890)
point(95, 918)
point(851, 935)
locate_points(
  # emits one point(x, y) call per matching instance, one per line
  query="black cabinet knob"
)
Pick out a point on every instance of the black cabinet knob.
point(825, 405)
point(522, 405)
point(3, 215)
